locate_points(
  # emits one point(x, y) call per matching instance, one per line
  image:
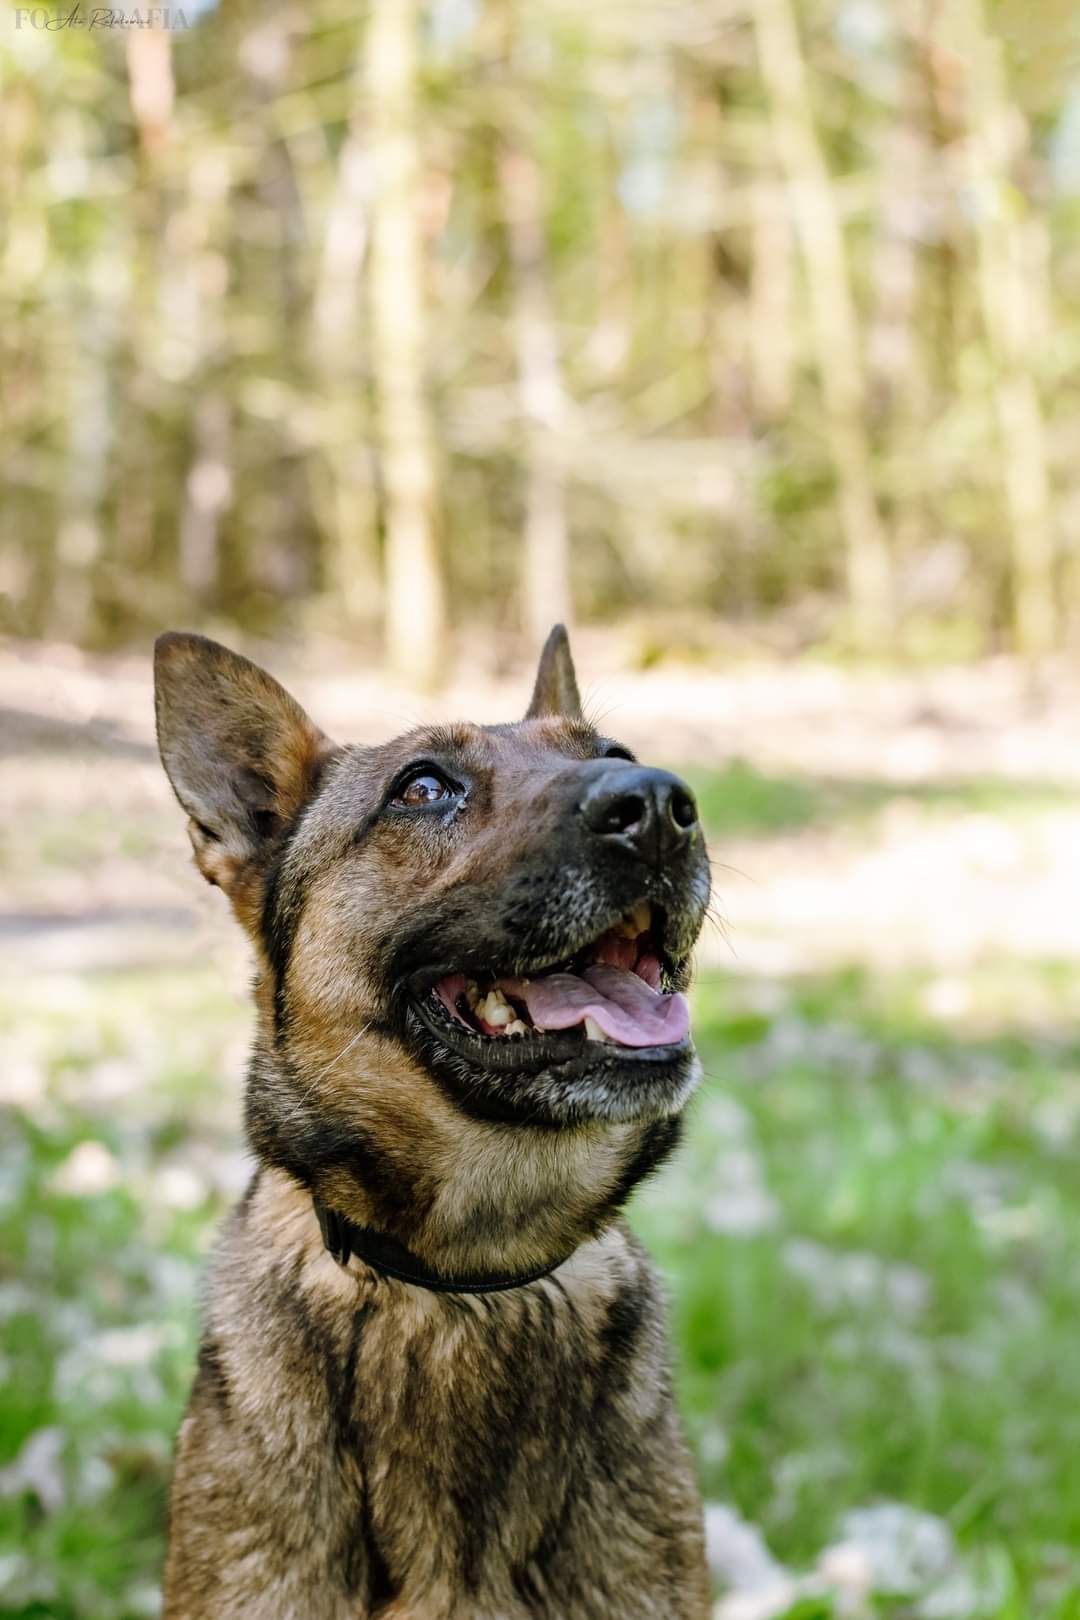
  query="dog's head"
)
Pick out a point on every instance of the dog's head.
point(470, 939)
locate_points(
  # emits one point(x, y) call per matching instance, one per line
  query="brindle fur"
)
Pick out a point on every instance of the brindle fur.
point(356, 1446)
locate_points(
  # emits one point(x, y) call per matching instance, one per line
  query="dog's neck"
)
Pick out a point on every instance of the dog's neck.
point(389, 1258)
point(285, 1219)
point(463, 1196)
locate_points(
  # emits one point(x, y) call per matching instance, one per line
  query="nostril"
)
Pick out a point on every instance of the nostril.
point(683, 809)
point(620, 814)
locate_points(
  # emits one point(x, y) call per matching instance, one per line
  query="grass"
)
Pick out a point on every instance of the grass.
point(102, 1233)
point(880, 1302)
point(741, 800)
point(872, 1238)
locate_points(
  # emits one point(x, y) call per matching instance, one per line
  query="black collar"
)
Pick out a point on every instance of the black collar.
point(385, 1254)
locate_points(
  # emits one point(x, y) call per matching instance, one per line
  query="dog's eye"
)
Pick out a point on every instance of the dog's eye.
point(425, 787)
point(616, 751)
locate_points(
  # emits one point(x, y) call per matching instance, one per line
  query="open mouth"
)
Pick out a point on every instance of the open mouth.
point(610, 997)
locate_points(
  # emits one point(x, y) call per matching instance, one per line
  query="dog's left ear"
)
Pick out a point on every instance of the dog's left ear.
point(556, 689)
point(241, 754)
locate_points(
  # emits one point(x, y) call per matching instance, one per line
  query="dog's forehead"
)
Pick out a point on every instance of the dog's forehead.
point(479, 748)
point(359, 777)
point(531, 741)
point(525, 740)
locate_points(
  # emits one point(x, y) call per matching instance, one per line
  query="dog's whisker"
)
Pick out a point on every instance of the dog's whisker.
point(345, 1050)
point(598, 717)
point(300, 1105)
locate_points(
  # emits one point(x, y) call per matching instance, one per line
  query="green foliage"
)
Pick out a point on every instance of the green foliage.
point(106, 1202)
point(190, 397)
point(886, 1308)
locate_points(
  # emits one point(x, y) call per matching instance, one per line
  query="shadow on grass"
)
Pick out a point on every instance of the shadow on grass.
point(25, 733)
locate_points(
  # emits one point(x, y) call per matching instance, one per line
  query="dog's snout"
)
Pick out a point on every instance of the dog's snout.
point(647, 812)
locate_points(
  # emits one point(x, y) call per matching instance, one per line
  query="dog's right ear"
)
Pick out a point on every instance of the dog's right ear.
point(556, 689)
point(241, 754)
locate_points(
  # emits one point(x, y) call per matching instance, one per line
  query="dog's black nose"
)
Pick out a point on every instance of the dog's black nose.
point(644, 811)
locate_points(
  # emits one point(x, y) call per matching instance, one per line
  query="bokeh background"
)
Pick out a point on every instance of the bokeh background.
point(743, 335)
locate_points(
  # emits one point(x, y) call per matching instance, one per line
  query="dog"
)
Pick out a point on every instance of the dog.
point(433, 1381)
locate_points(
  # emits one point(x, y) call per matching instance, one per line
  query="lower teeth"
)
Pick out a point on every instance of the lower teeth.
point(503, 1018)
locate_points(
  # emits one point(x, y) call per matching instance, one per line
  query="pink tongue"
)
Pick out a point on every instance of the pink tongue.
point(625, 1007)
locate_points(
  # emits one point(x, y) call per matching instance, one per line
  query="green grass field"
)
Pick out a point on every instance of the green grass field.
point(872, 1238)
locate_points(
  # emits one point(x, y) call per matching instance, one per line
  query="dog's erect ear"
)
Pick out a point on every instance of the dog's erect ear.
point(241, 754)
point(556, 689)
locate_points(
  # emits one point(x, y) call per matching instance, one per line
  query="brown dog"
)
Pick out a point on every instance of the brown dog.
point(433, 1380)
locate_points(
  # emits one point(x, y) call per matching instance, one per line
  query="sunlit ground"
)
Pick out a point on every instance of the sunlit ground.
point(872, 1236)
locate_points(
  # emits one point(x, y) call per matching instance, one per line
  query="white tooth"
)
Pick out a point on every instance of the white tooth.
point(472, 993)
point(593, 1032)
point(495, 1010)
point(641, 917)
point(516, 1027)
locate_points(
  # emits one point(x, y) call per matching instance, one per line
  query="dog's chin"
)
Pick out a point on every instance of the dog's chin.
point(549, 1079)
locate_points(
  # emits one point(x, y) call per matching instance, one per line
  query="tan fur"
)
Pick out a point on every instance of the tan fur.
point(356, 1446)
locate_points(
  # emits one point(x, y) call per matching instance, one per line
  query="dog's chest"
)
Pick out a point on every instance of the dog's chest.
point(473, 1429)
point(516, 1458)
point(416, 1457)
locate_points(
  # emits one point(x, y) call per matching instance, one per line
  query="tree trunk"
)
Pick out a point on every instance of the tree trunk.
point(898, 383)
point(208, 487)
point(771, 327)
point(349, 513)
point(415, 591)
point(546, 579)
point(207, 496)
point(1008, 289)
point(833, 317)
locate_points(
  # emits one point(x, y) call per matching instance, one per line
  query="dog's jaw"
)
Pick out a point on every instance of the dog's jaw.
point(554, 1070)
point(593, 1082)
point(559, 1073)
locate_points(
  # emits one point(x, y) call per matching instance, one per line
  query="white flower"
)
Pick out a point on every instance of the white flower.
point(89, 1168)
point(899, 1550)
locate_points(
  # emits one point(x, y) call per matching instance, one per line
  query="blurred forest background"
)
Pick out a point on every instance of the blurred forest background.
point(483, 313)
point(743, 334)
